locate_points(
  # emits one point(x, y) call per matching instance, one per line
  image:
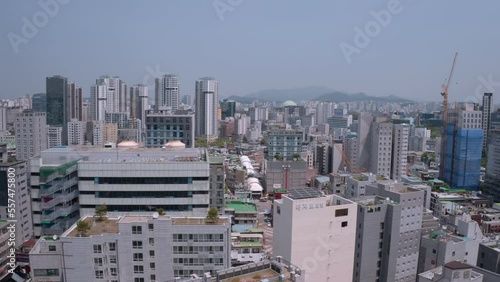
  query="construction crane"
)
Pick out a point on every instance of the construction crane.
point(444, 93)
point(348, 161)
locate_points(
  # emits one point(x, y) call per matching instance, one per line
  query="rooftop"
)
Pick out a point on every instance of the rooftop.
point(107, 226)
point(197, 221)
point(240, 206)
point(304, 193)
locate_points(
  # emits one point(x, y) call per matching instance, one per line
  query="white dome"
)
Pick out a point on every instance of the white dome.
point(289, 103)
point(128, 144)
point(175, 145)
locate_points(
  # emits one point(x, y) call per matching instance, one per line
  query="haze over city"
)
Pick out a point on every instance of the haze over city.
point(250, 46)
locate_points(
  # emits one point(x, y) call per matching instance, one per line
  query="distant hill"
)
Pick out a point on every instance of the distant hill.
point(312, 93)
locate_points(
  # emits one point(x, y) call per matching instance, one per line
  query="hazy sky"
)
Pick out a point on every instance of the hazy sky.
point(251, 45)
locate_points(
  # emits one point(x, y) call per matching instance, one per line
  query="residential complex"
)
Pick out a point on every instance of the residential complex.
point(167, 92)
point(162, 126)
point(31, 134)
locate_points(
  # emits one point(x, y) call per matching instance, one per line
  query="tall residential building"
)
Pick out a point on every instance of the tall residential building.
point(381, 148)
point(86, 111)
point(217, 182)
point(74, 104)
point(326, 253)
point(363, 140)
point(39, 102)
point(108, 95)
point(463, 154)
point(400, 137)
point(323, 162)
point(186, 100)
point(206, 105)
point(57, 103)
point(139, 103)
point(486, 108)
point(31, 134)
point(76, 132)
point(167, 92)
point(18, 171)
point(228, 109)
point(285, 143)
point(54, 136)
point(324, 110)
point(3, 119)
point(135, 248)
point(351, 153)
point(388, 234)
point(162, 127)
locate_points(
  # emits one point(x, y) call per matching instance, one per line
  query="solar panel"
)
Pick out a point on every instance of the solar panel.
point(304, 193)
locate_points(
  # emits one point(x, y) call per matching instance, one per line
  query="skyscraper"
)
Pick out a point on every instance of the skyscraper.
point(464, 147)
point(228, 109)
point(108, 94)
point(74, 105)
point(39, 102)
point(98, 101)
point(400, 136)
point(139, 103)
point(486, 108)
point(167, 92)
point(206, 103)
point(492, 177)
point(57, 103)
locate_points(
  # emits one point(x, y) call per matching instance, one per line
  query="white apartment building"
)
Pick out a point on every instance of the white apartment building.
point(31, 134)
point(135, 248)
point(399, 151)
point(54, 136)
point(98, 101)
point(139, 103)
point(76, 132)
point(167, 92)
point(323, 247)
point(381, 148)
point(206, 107)
point(24, 224)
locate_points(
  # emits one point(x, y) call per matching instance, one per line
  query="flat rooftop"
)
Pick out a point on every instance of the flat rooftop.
point(198, 221)
point(304, 193)
point(106, 226)
point(240, 206)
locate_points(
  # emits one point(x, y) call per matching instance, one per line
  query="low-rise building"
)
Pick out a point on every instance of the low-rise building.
point(453, 271)
point(134, 248)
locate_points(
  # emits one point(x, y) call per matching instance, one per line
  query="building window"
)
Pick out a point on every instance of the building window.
point(344, 223)
point(138, 269)
point(112, 259)
point(151, 241)
point(341, 212)
point(278, 209)
point(151, 227)
point(136, 229)
point(113, 271)
point(52, 248)
point(136, 244)
point(139, 279)
point(98, 261)
point(112, 246)
point(97, 249)
point(99, 274)
point(138, 257)
point(152, 265)
point(152, 254)
point(153, 277)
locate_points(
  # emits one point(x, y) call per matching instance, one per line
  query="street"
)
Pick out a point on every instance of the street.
point(268, 231)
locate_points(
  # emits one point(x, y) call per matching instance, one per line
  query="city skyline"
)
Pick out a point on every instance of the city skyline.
point(322, 53)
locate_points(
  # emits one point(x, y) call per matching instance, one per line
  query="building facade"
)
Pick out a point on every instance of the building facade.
point(285, 143)
point(167, 92)
point(31, 134)
point(162, 127)
point(206, 105)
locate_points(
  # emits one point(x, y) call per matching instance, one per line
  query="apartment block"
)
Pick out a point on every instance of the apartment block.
point(162, 126)
point(323, 247)
point(284, 143)
point(135, 248)
point(31, 134)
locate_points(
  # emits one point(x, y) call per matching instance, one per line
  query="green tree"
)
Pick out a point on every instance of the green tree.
point(212, 215)
point(82, 227)
point(278, 157)
point(297, 156)
point(101, 212)
point(160, 211)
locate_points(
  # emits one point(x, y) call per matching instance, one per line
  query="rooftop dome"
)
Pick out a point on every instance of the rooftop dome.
point(175, 145)
point(128, 144)
point(289, 103)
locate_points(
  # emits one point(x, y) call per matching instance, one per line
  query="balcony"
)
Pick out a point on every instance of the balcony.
point(62, 185)
point(64, 198)
point(60, 212)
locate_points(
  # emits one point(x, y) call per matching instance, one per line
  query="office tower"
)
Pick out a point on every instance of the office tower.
point(186, 100)
point(54, 136)
point(167, 92)
point(3, 119)
point(98, 101)
point(57, 103)
point(326, 251)
point(284, 143)
point(400, 136)
point(139, 103)
point(228, 109)
point(137, 248)
point(486, 108)
point(39, 102)
point(324, 152)
point(31, 134)
point(462, 163)
point(76, 132)
point(162, 127)
point(492, 177)
point(335, 122)
point(18, 171)
point(388, 234)
point(206, 105)
point(217, 182)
